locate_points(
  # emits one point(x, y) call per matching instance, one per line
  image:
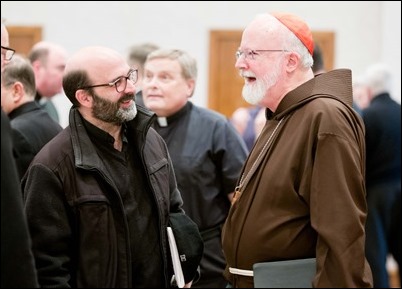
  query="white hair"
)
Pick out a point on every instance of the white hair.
point(378, 78)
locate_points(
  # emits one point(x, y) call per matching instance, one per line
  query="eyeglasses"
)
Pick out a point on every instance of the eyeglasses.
point(251, 54)
point(120, 83)
point(7, 52)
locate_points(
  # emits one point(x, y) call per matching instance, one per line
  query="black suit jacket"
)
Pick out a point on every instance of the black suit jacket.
point(17, 262)
point(32, 128)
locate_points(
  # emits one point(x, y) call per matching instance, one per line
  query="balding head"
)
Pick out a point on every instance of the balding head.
point(263, 28)
point(269, 31)
point(48, 61)
point(94, 60)
point(92, 65)
point(283, 60)
point(43, 49)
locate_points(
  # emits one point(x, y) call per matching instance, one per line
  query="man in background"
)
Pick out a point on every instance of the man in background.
point(136, 59)
point(31, 126)
point(382, 119)
point(318, 64)
point(248, 121)
point(17, 262)
point(206, 151)
point(48, 61)
point(361, 92)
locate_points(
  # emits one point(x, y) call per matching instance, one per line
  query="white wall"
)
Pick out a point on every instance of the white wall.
point(366, 32)
point(391, 42)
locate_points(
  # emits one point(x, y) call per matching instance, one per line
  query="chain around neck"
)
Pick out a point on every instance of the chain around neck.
point(245, 178)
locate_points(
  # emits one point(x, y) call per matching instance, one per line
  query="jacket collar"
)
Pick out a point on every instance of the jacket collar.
point(85, 155)
point(25, 108)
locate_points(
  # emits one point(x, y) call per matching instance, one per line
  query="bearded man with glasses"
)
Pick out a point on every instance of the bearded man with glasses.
point(301, 193)
point(98, 196)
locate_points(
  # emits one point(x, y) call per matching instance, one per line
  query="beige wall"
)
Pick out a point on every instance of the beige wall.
point(366, 32)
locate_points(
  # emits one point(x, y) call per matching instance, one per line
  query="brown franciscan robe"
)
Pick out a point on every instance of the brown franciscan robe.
point(307, 198)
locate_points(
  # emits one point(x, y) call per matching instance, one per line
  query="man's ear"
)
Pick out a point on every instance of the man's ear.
point(84, 98)
point(190, 87)
point(17, 91)
point(36, 65)
point(293, 60)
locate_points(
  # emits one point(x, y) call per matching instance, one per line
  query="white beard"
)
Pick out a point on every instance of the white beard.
point(255, 92)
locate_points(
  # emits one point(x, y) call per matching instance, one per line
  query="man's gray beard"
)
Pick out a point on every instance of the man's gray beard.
point(127, 114)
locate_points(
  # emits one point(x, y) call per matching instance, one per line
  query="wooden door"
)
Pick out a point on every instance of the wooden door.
point(225, 84)
point(22, 38)
point(326, 41)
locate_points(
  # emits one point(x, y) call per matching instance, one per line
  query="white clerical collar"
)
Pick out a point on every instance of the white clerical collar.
point(162, 121)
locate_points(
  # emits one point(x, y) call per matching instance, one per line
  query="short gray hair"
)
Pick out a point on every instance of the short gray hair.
point(379, 78)
point(187, 63)
point(20, 69)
